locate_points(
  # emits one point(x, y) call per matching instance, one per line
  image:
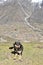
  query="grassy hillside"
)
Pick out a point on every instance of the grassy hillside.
point(32, 54)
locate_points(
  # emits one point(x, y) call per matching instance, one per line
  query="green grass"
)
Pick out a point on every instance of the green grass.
point(32, 54)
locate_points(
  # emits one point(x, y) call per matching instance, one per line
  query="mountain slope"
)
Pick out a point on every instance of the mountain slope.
point(15, 23)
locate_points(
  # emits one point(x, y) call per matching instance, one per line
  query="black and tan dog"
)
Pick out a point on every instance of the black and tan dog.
point(18, 49)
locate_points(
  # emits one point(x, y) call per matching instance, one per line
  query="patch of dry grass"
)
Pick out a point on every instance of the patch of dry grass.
point(32, 54)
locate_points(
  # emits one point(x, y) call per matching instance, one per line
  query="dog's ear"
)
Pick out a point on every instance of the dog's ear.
point(10, 47)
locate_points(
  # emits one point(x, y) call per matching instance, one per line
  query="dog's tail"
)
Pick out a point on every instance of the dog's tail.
point(10, 47)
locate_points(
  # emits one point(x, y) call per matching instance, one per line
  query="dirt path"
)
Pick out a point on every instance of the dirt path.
point(28, 16)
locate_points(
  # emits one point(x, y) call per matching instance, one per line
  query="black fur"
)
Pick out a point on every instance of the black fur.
point(17, 49)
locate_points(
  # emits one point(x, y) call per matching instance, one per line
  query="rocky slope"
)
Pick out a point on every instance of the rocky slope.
point(17, 21)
